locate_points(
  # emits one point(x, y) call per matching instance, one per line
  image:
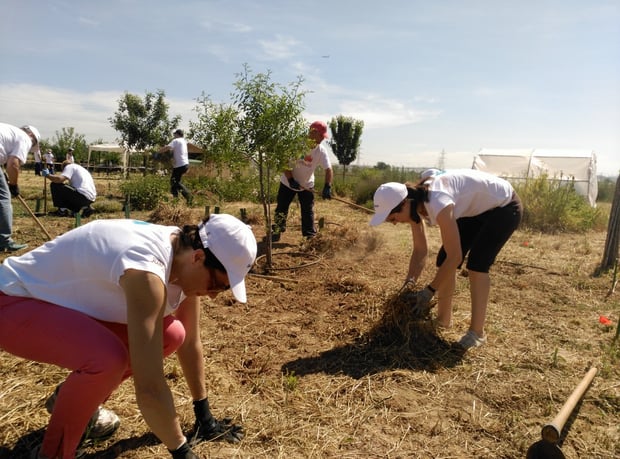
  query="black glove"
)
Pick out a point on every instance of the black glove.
point(183, 452)
point(14, 189)
point(294, 184)
point(210, 429)
point(420, 301)
point(423, 300)
point(327, 191)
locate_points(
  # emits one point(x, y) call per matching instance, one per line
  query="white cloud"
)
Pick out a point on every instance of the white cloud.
point(221, 52)
point(87, 21)
point(51, 109)
point(279, 48)
point(378, 112)
point(223, 26)
point(375, 110)
point(393, 129)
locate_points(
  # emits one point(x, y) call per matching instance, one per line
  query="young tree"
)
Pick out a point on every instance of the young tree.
point(216, 131)
point(143, 123)
point(345, 141)
point(68, 138)
point(271, 129)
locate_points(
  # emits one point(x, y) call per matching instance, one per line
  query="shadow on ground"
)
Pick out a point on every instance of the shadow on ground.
point(383, 348)
point(29, 441)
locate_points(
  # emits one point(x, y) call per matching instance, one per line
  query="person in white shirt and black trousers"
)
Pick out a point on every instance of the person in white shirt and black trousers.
point(77, 195)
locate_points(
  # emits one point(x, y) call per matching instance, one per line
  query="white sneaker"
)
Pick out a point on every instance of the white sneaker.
point(102, 425)
point(471, 339)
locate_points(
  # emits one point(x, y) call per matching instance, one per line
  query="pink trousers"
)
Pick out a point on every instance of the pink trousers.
point(96, 352)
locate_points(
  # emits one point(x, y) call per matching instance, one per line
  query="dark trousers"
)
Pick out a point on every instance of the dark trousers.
point(176, 185)
point(37, 168)
point(306, 202)
point(67, 197)
point(483, 236)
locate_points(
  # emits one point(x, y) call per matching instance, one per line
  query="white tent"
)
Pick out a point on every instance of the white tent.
point(578, 166)
point(110, 147)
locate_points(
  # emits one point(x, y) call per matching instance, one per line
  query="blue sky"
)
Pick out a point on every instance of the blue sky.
point(424, 76)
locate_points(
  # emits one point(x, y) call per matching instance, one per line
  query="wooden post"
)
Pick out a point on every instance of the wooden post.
point(127, 206)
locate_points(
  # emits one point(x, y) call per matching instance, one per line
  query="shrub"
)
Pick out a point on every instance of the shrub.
point(239, 187)
point(362, 182)
point(552, 206)
point(145, 193)
point(606, 189)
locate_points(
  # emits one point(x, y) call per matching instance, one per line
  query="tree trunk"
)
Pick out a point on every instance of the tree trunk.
point(613, 234)
point(265, 199)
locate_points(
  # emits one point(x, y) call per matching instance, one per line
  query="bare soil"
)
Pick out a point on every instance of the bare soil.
point(323, 361)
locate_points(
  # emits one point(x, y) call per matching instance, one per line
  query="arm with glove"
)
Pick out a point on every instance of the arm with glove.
point(292, 183)
point(190, 355)
point(12, 174)
point(145, 295)
point(327, 188)
point(423, 299)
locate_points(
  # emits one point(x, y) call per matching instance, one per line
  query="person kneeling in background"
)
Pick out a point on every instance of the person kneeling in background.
point(76, 195)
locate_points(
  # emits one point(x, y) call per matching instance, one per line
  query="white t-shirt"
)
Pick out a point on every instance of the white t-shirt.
point(49, 157)
point(472, 193)
point(37, 155)
point(80, 179)
point(81, 269)
point(13, 142)
point(179, 152)
point(303, 169)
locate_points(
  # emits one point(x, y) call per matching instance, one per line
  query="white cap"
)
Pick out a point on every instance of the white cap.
point(387, 196)
point(34, 131)
point(234, 244)
point(430, 173)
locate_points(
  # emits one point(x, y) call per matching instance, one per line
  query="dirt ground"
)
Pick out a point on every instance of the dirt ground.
point(321, 364)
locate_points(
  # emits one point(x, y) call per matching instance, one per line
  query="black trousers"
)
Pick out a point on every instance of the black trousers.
point(483, 236)
point(306, 202)
point(67, 197)
point(176, 185)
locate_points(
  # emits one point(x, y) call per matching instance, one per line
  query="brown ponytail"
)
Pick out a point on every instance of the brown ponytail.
point(189, 237)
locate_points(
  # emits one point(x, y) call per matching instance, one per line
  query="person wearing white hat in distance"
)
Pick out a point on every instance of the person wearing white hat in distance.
point(49, 160)
point(69, 156)
point(476, 212)
point(15, 144)
point(109, 300)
